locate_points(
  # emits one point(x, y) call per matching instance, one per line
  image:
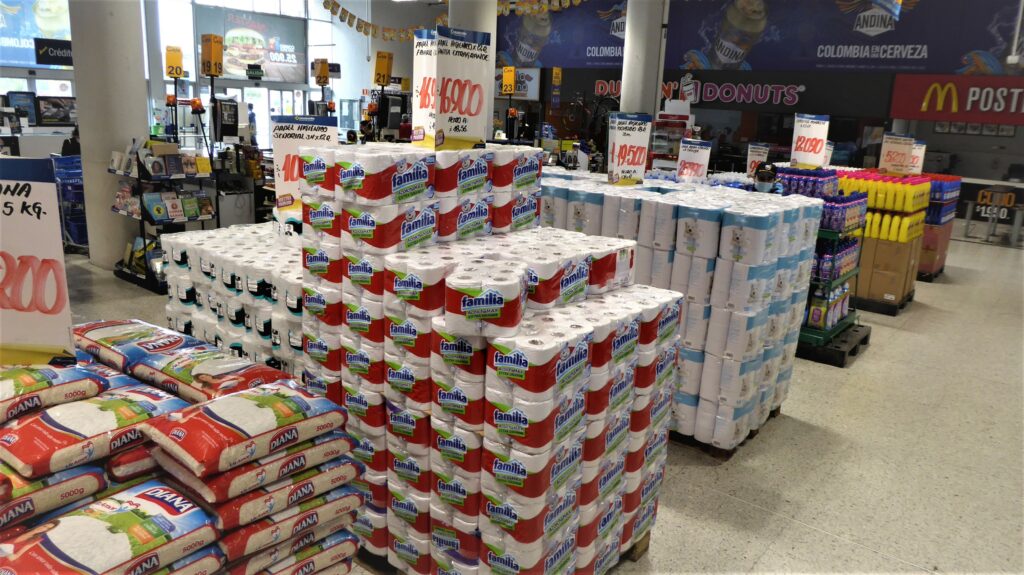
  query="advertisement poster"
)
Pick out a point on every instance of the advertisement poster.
point(463, 68)
point(757, 152)
point(972, 99)
point(810, 133)
point(35, 314)
point(424, 85)
point(287, 135)
point(694, 156)
point(917, 157)
point(22, 21)
point(629, 136)
point(587, 35)
point(56, 111)
point(276, 43)
point(896, 154)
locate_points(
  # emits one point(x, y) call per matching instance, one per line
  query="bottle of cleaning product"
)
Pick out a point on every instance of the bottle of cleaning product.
point(883, 233)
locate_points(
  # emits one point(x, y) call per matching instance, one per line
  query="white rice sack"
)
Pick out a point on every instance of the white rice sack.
point(31, 498)
point(122, 343)
point(63, 436)
point(257, 562)
point(201, 373)
point(207, 560)
point(139, 530)
point(228, 431)
point(132, 463)
point(273, 467)
point(28, 388)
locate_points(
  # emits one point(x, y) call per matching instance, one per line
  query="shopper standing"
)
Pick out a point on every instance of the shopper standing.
point(252, 125)
point(71, 146)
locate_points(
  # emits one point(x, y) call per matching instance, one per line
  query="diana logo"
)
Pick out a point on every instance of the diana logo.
point(410, 283)
point(455, 398)
point(291, 466)
point(490, 299)
point(449, 446)
point(427, 220)
point(408, 176)
point(300, 492)
point(516, 359)
point(407, 468)
point(24, 404)
point(14, 511)
point(363, 222)
point(513, 469)
point(452, 489)
point(127, 437)
point(317, 166)
point(307, 568)
point(306, 522)
point(503, 564)
point(168, 499)
point(284, 437)
point(162, 344)
point(561, 554)
point(322, 217)
point(145, 564)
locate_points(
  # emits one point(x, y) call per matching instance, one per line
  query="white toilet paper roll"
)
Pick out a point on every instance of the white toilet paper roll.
point(704, 427)
point(584, 211)
point(661, 268)
point(554, 208)
point(485, 298)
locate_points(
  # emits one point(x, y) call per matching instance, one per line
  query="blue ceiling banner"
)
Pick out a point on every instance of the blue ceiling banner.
point(590, 35)
point(865, 35)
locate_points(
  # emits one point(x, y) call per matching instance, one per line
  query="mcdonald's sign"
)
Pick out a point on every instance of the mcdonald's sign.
point(982, 99)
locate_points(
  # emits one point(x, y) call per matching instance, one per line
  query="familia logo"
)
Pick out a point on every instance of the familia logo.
point(322, 217)
point(525, 209)
point(316, 167)
point(525, 171)
point(452, 447)
point(408, 175)
point(472, 174)
point(489, 300)
point(360, 272)
point(457, 351)
point(415, 225)
point(472, 213)
point(403, 332)
point(571, 282)
point(454, 401)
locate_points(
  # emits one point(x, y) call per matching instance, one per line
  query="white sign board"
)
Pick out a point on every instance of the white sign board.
point(464, 68)
point(810, 133)
point(629, 136)
point(527, 84)
point(287, 134)
point(917, 157)
point(897, 151)
point(757, 152)
point(830, 146)
point(424, 87)
point(694, 156)
point(35, 313)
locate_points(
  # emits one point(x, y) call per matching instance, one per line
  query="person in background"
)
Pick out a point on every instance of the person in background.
point(71, 146)
point(252, 125)
point(405, 129)
point(766, 178)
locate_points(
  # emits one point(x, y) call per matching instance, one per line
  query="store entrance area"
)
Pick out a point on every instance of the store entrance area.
point(906, 462)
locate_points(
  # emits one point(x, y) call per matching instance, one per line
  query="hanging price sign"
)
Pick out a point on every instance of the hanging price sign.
point(172, 59)
point(810, 133)
point(694, 156)
point(212, 55)
point(629, 136)
point(382, 68)
point(896, 155)
point(757, 152)
point(508, 80)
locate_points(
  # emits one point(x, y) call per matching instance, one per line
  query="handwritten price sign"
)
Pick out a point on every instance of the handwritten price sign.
point(694, 156)
point(897, 151)
point(810, 133)
point(629, 137)
point(424, 83)
point(756, 153)
point(917, 157)
point(464, 66)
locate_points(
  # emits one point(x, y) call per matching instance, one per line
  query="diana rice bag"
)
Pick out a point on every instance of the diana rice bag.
point(202, 373)
point(132, 463)
point(241, 427)
point(31, 498)
point(139, 530)
point(257, 562)
point(122, 343)
point(28, 388)
point(63, 436)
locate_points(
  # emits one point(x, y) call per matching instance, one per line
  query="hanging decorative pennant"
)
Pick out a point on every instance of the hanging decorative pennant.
point(334, 7)
point(374, 28)
point(351, 19)
point(343, 15)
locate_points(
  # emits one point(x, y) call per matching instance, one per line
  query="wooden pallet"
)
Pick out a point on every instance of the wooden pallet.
point(930, 276)
point(841, 350)
point(639, 549)
point(883, 307)
point(717, 452)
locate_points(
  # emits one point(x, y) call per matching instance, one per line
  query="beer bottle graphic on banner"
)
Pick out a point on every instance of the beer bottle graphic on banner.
point(742, 26)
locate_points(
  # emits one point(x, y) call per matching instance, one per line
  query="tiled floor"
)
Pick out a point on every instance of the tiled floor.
point(909, 460)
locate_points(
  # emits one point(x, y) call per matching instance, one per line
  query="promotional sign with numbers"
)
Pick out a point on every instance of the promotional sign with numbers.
point(35, 314)
point(694, 156)
point(382, 68)
point(172, 57)
point(629, 136)
point(810, 132)
point(897, 150)
point(508, 80)
point(464, 68)
point(917, 157)
point(212, 55)
point(757, 152)
point(424, 86)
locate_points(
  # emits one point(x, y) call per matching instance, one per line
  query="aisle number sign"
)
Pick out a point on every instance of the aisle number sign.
point(810, 132)
point(694, 156)
point(382, 68)
point(896, 155)
point(556, 76)
point(321, 71)
point(212, 55)
point(172, 58)
point(628, 139)
point(757, 152)
point(508, 80)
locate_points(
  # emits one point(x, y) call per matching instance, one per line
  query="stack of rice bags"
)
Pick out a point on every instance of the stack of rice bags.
point(240, 288)
point(270, 466)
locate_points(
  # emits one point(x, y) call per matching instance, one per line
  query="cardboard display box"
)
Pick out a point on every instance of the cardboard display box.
point(934, 247)
point(888, 270)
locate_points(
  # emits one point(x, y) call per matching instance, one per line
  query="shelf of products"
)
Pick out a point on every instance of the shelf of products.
point(829, 284)
point(820, 337)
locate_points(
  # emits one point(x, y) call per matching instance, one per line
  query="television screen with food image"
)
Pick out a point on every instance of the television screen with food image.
point(242, 46)
point(277, 43)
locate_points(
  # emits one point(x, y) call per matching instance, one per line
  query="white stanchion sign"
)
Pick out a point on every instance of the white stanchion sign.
point(694, 156)
point(896, 155)
point(757, 152)
point(424, 86)
point(917, 157)
point(287, 134)
point(810, 133)
point(464, 69)
point(35, 314)
point(629, 136)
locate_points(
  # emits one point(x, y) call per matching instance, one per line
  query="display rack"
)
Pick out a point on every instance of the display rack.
point(67, 171)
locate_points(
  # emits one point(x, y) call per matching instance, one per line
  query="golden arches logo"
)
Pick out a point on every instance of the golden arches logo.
point(941, 92)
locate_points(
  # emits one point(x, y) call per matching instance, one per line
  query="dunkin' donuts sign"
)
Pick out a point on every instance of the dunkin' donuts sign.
point(717, 92)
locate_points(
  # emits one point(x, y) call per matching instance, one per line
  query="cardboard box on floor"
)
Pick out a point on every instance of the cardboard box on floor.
point(888, 270)
point(934, 247)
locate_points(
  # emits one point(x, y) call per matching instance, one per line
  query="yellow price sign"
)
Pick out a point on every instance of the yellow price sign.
point(508, 80)
point(172, 62)
point(556, 76)
point(321, 72)
point(382, 68)
point(212, 55)
point(406, 84)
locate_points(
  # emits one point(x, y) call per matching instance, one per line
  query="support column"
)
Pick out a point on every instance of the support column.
point(112, 97)
point(642, 56)
point(479, 16)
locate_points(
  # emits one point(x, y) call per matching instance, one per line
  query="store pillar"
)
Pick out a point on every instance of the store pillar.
point(643, 56)
point(112, 94)
point(479, 16)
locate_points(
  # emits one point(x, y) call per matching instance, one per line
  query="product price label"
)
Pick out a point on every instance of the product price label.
point(424, 87)
point(556, 76)
point(464, 67)
point(810, 133)
point(629, 136)
point(917, 157)
point(382, 68)
point(172, 62)
point(508, 80)
point(212, 55)
point(757, 152)
point(897, 151)
point(694, 156)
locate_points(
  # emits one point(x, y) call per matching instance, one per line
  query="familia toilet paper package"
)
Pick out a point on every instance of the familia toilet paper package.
point(122, 343)
point(512, 211)
point(238, 428)
point(463, 217)
point(546, 362)
point(462, 172)
point(485, 298)
point(138, 530)
point(414, 281)
point(64, 436)
point(388, 229)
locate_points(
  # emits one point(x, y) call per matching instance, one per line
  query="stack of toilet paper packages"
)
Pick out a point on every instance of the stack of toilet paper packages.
point(240, 288)
point(270, 468)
